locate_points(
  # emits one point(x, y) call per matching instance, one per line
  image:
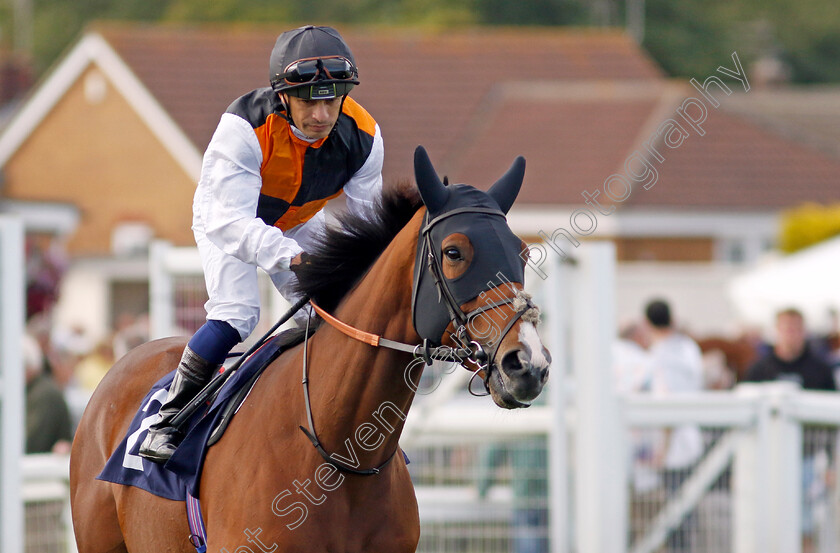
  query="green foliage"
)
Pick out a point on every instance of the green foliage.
point(535, 12)
point(685, 38)
point(57, 23)
point(807, 225)
point(6, 26)
point(201, 11)
point(817, 61)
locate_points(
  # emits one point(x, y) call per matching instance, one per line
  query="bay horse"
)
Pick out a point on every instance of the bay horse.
point(415, 278)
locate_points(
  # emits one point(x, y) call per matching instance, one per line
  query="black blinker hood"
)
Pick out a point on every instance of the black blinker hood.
point(479, 215)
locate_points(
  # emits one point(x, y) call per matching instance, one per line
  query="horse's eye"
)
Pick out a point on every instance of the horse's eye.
point(453, 253)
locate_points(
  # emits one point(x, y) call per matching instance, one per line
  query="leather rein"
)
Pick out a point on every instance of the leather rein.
point(472, 351)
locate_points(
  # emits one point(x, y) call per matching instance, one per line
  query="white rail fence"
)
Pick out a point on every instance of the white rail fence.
point(761, 440)
point(46, 499)
point(12, 292)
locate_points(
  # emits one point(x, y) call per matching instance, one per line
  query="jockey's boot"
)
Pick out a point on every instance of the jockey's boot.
point(192, 375)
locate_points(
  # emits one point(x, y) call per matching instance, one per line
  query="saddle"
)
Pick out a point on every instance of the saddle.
point(181, 474)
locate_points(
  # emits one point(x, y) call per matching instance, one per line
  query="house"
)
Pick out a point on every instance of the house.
point(106, 151)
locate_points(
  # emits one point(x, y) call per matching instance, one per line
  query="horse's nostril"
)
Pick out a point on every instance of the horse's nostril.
point(512, 363)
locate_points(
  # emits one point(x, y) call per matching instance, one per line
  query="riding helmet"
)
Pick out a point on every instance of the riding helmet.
point(312, 62)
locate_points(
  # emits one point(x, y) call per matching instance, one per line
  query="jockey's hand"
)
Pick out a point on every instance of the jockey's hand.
point(300, 259)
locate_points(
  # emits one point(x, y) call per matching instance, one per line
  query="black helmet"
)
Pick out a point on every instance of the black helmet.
point(313, 63)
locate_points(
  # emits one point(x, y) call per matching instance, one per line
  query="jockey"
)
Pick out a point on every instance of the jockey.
point(278, 154)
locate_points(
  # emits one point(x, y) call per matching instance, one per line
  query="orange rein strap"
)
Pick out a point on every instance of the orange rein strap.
point(355, 333)
point(424, 351)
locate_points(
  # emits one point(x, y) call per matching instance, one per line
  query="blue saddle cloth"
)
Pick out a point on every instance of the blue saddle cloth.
point(183, 471)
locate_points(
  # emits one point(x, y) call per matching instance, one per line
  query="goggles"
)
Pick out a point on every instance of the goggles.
point(310, 69)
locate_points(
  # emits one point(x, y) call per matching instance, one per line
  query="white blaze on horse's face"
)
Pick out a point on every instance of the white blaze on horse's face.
point(529, 337)
point(519, 370)
point(505, 325)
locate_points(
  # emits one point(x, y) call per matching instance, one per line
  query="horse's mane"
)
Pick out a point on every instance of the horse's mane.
point(345, 252)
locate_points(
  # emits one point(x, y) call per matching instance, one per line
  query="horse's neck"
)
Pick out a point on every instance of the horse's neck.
point(355, 384)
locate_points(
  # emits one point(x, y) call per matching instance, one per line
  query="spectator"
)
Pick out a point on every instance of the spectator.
point(48, 425)
point(632, 374)
point(677, 368)
point(631, 361)
point(93, 367)
point(792, 359)
point(46, 262)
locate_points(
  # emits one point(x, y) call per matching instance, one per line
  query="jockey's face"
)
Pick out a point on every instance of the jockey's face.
point(314, 118)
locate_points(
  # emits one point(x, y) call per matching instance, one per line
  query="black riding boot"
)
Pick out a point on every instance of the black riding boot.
point(192, 375)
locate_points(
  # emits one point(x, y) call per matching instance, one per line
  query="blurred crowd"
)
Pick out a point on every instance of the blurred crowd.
point(63, 367)
point(652, 355)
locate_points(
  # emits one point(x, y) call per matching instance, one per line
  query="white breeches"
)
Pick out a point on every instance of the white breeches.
point(232, 285)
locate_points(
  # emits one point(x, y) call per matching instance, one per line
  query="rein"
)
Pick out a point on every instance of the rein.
point(313, 437)
point(420, 350)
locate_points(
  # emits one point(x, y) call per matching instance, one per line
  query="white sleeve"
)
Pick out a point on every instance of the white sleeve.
point(364, 188)
point(230, 174)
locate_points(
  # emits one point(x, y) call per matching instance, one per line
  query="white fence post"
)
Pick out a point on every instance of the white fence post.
point(12, 315)
point(558, 319)
point(767, 475)
point(161, 292)
point(601, 483)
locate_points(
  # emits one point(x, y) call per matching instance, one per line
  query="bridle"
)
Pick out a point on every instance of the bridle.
point(476, 352)
point(467, 348)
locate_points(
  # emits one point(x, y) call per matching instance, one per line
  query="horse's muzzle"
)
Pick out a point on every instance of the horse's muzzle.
point(519, 377)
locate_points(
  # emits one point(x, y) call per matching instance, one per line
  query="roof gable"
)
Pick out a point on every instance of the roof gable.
point(93, 49)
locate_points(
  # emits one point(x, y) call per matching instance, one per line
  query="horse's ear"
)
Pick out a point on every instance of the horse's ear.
point(505, 190)
point(432, 191)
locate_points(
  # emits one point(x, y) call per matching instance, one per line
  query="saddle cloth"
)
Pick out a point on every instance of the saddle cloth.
point(182, 472)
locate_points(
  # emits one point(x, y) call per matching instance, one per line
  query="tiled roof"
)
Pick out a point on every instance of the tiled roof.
point(807, 114)
point(571, 145)
point(423, 88)
point(739, 165)
point(575, 103)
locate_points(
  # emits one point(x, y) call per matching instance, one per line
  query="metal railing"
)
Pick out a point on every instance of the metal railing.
point(46, 499)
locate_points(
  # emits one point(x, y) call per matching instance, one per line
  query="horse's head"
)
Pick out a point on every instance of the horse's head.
point(468, 283)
